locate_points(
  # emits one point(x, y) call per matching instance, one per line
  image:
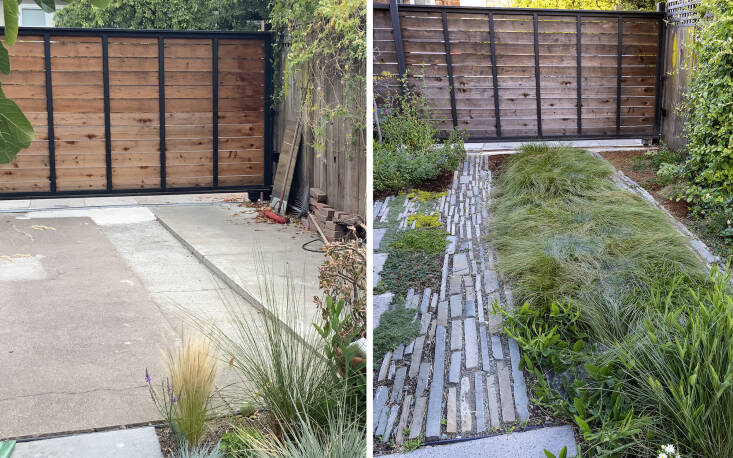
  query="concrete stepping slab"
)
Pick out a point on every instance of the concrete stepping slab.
point(123, 443)
point(526, 444)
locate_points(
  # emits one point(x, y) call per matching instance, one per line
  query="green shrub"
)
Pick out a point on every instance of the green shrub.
point(709, 128)
point(411, 269)
point(408, 154)
point(425, 240)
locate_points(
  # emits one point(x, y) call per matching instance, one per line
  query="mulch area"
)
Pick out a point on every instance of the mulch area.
point(216, 428)
point(624, 161)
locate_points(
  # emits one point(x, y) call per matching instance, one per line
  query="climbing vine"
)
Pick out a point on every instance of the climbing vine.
point(325, 45)
point(709, 109)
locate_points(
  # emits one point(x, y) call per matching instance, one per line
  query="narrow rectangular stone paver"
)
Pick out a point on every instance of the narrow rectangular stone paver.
point(380, 399)
point(425, 323)
point(493, 403)
point(470, 307)
point(485, 363)
point(385, 366)
point(471, 347)
point(425, 300)
point(456, 305)
point(422, 379)
point(505, 393)
point(521, 401)
point(450, 421)
point(435, 399)
point(390, 423)
point(399, 437)
point(460, 264)
point(456, 335)
point(398, 353)
point(478, 389)
point(416, 356)
point(418, 415)
point(466, 417)
point(399, 383)
point(443, 313)
point(455, 367)
point(496, 350)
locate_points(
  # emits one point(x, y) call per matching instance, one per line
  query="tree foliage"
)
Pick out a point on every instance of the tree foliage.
point(165, 14)
point(587, 4)
point(327, 51)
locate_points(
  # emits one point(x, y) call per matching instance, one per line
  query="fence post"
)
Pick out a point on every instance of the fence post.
point(161, 107)
point(399, 50)
point(537, 74)
point(618, 74)
point(660, 72)
point(449, 63)
point(215, 108)
point(580, 78)
point(49, 112)
point(494, 76)
point(107, 129)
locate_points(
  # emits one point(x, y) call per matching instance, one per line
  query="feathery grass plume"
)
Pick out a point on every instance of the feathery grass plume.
point(192, 370)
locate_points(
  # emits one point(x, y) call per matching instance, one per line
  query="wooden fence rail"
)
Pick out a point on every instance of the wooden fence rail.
point(503, 73)
point(140, 112)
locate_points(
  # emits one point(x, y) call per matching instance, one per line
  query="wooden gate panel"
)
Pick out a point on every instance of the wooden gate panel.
point(140, 112)
point(545, 62)
point(189, 146)
point(241, 142)
point(80, 151)
point(27, 87)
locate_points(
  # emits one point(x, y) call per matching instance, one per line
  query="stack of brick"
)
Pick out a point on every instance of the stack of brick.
point(325, 215)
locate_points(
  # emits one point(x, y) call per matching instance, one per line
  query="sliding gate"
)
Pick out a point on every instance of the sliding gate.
point(130, 112)
point(515, 74)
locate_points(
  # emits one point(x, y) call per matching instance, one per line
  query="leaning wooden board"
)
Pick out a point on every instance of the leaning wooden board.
point(285, 167)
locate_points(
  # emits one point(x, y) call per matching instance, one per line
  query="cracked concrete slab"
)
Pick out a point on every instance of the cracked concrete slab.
point(74, 346)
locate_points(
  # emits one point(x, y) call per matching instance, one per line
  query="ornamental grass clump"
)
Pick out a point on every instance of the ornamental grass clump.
point(192, 371)
point(624, 331)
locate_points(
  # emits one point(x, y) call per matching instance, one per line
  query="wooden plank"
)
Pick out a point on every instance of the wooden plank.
point(133, 64)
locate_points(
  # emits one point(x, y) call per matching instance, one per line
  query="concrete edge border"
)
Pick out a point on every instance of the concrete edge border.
point(231, 283)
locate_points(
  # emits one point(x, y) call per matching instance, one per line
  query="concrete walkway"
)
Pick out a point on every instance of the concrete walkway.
point(123, 443)
point(528, 444)
point(243, 252)
point(91, 296)
point(461, 376)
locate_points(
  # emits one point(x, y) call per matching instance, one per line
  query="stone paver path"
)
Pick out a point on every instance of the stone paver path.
point(461, 376)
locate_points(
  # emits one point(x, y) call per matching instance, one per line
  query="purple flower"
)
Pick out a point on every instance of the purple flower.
point(147, 376)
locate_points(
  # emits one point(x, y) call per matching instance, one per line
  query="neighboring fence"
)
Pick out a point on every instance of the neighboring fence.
point(339, 169)
point(140, 112)
point(679, 38)
point(509, 74)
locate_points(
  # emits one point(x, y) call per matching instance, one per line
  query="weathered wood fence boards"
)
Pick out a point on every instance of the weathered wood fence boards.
point(139, 111)
point(520, 73)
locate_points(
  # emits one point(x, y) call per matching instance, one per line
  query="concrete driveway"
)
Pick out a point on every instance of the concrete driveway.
point(90, 297)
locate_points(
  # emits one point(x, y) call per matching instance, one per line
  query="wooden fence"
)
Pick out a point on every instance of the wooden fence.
point(504, 73)
point(140, 112)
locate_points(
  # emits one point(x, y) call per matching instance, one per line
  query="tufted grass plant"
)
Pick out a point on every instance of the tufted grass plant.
point(192, 371)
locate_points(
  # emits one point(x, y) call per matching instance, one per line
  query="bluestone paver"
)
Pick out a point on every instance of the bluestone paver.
point(122, 443)
point(520, 389)
point(478, 390)
point(435, 400)
point(418, 415)
point(471, 346)
point(455, 367)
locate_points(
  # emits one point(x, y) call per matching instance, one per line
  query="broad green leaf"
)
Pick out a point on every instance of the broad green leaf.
point(48, 6)
point(4, 60)
point(582, 425)
point(10, 12)
point(16, 132)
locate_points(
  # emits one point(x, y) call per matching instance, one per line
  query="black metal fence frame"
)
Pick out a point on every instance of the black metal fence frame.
point(47, 33)
point(394, 9)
